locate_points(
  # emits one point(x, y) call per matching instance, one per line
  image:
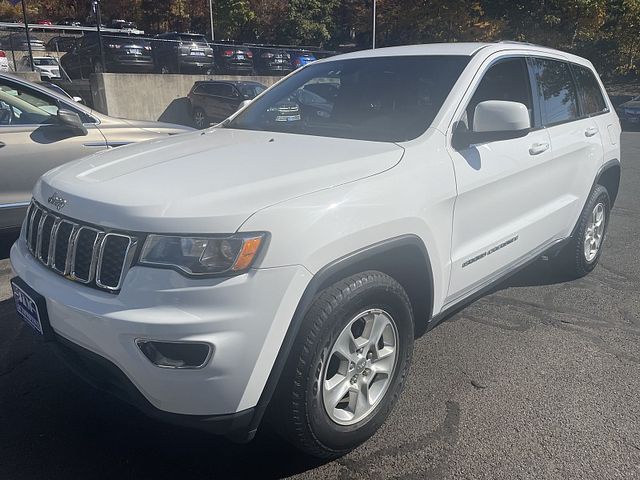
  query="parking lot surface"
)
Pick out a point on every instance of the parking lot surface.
point(539, 379)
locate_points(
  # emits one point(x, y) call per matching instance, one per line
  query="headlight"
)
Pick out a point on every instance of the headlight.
point(202, 255)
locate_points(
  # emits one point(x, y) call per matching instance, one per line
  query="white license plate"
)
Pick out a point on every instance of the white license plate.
point(240, 56)
point(27, 308)
point(133, 51)
point(197, 53)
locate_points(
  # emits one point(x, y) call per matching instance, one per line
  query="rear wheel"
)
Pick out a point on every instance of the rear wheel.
point(349, 365)
point(581, 255)
point(200, 119)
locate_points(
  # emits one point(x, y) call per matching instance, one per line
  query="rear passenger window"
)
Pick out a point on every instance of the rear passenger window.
point(556, 90)
point(225, 90)
point(589, 91)
point(213, 89)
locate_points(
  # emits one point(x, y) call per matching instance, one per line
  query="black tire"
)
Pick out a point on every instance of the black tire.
point(200, 119)
point(301, 415)
point(572, 258)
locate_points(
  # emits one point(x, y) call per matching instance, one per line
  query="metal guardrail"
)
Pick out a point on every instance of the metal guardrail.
point(69, 28)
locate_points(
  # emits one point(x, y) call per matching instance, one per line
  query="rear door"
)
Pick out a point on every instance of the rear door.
point(506, 206)
point(213, 99)
point(33, 142)
point(595, 105)
point(231, 100)
point(575, 138)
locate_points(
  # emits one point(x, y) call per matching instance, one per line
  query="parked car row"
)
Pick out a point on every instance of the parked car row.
point(175, 52)
point(90, 21)
point(171, 52)
point(18, 41)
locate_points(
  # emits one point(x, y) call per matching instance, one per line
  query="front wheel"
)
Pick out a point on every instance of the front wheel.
point(582, 253)
point(349, 365)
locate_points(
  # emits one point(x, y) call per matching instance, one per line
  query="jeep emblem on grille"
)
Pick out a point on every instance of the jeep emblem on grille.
point(57, 201)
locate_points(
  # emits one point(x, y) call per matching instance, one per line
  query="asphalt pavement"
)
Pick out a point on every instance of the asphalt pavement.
point(539, 380)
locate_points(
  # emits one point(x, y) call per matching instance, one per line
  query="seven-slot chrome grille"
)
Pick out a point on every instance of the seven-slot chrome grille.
point(79, 251)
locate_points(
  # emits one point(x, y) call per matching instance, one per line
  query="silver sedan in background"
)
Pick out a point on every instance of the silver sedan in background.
point(40, 129)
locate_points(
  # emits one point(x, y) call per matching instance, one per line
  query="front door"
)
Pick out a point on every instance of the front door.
point(32, 141)
point(505, 207)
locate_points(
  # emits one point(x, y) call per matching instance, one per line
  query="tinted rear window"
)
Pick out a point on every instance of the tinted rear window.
point(192, 38)
point(388, 99)
point(589, 91)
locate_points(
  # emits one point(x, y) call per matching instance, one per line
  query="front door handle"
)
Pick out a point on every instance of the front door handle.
point(538, 148)
point(591, 131)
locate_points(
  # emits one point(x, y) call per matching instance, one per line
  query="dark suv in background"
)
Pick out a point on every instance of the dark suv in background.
point(271, 61)
point(122, 53)
point(213, 101)
point(176, 52)
point(234, 59)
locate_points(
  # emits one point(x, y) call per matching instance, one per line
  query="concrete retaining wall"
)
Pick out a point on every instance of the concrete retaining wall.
point(30, 76)
point(152, 97)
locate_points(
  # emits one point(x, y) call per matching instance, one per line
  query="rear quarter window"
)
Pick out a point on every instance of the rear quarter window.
point(589, 91)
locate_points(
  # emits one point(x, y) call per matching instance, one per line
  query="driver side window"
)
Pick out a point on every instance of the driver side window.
point(506, 80)
point(22, 106)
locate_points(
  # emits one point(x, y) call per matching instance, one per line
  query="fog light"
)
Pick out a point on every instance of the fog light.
point(167, 354)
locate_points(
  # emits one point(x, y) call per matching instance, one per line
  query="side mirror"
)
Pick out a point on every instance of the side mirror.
point(243, 104)
point(495, 120)
point(78, 99)
point(72, 120)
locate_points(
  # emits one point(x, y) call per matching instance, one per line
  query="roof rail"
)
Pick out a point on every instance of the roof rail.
point(516, 42)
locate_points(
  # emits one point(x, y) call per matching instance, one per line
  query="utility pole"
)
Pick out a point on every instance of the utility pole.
point(26, 31)
point(213, 37)
point(96, 5)
point(374, 25)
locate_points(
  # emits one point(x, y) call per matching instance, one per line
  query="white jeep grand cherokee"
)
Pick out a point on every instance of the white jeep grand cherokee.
point(290, 255)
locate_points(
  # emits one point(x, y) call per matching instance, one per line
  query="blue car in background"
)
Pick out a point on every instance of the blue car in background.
point(300, 58)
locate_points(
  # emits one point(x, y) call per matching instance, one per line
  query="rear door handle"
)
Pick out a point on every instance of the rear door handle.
point(538, 148)
point(591, 131)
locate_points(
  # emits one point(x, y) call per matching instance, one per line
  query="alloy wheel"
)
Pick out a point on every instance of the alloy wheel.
point(199, 119)
point(594, 232)
point(360, 367)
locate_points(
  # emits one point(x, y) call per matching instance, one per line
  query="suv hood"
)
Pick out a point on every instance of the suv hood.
point(207, 182)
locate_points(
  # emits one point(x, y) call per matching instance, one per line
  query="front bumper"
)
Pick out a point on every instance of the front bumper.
point(106, 376)
point(245, 318)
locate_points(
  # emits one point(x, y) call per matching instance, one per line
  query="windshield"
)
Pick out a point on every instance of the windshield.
point(389, 99)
